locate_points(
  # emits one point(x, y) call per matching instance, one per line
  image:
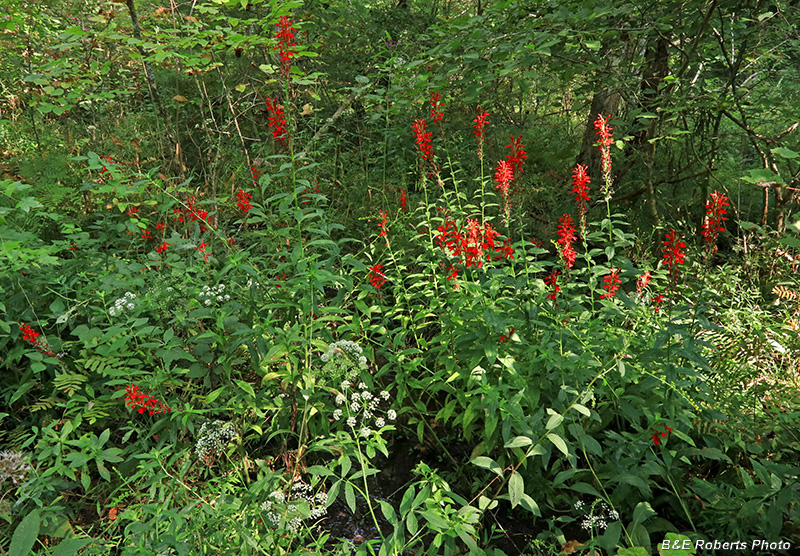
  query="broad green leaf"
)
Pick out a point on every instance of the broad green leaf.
point(785, 153)
point(518, 442)
point(516, 488)
point(559, 443)
point(487, 463)
point(70, 547)
point(25, 535)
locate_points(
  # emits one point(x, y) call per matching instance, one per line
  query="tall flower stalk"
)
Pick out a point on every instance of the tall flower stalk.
point(712, 224)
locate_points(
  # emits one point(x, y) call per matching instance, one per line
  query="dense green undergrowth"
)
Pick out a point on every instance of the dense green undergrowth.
point(396, 365)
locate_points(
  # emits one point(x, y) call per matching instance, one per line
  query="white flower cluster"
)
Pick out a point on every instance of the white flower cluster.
point(598, 515)
point(209, 294)
point(14, 466)
point(362, 407)
point(212, 439)
point(343, 360)
point(279, 507)
point(251, 283)
point(121, 304)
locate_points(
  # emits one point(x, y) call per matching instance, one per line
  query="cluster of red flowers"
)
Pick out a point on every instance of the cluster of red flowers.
point(566, 237)
point(436, 108)
point(376, 277)
point(202, 250)
point(472, 245)
point(611, 283)
point(673, 254)
point(656, 439)
point(504, 337)
point(383, 219)
point(712, 225)
point(605, 132)
point(256, 174)
point(285, 36)
point(191, 213)
point(163, 247)
point(31, 336)
point(133, 212)
point(504, 175)
point(276, 120)
point(642, 282)
point(107, 159)
point(517, 154)
point(142, 402)
point(243, 200)
point(580, 187)
point(403, 199)
point(479, 123)
point(552, 280)
point(423, 139)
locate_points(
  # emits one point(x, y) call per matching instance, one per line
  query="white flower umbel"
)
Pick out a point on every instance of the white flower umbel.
point(598, 515)
point(364, 409)
point(212, 439)
point(343, 360)
point(281, 507)
point(124, 303)
point(211, 294)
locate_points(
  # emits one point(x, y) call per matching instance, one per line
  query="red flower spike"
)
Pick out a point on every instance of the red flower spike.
point(436, 108)
point(566, 237)
point(605, 132)
point(146, 235)
point(243, 200)
point(376, 277)
point(403, 199)
point(580, 186)
point(643, 282)
point(712, 225)
point(423, 139)
point(517, 155)
point(657, 301)
point(276, 121)
point(612, 284)
point(285, 36)
point(673, 254)
point(163, 247)
point(141, 402)
point(479, 123)
point(107, 159)
point(552, 280)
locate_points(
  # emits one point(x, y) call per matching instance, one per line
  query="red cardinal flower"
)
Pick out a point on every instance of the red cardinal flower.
point(552, 280)
point(436, 108)
point(243, 200)
point(606, 133)
point(611, 283)
point(376, 277)
point(423, 139)
point(673, 254)
point(276, 120)
point(285, 36)
point(580, 187)
point(479, 123)
point(517, 154)
point(566, 237)
point(143, 403)
point(715, 216)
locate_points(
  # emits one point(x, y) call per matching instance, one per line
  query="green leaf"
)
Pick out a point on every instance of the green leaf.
point(635, 551)
point(516, 488)
point(70, 547)
point(558, 442)
point(350, 497)
point(582, 409)
point(785, 153)
point(25, 535)
point(518, 442)
point(246, 387)
point(642, 512)
point(487, 463)
point(553, 422)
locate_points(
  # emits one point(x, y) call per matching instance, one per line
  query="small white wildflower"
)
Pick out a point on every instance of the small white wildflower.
point(340, 399)
point(208, 302)
point(391, 414)
point(205, 288)
point(384, 394)
point(278, 496)
point(366, 396)
point(355, 396)
point(373, 405)
point(362, 361)
point(170, 289)
point(367, 414)
point(351, 421)
point(221, 287)
point(227, 297)
point(579, 504)
point(325, 357)
point(362, 385)
point(365, 432)
point(220, 298)
point(112, 311)
point(379, 422)
point(614, 515)
point(346, 384)
point(130, 305)
point(355, 407)
point(586, 524)
point(337, 414)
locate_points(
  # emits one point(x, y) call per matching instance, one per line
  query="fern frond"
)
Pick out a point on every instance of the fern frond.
point(69, 383)
point(44, 403)
point(785, 293)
